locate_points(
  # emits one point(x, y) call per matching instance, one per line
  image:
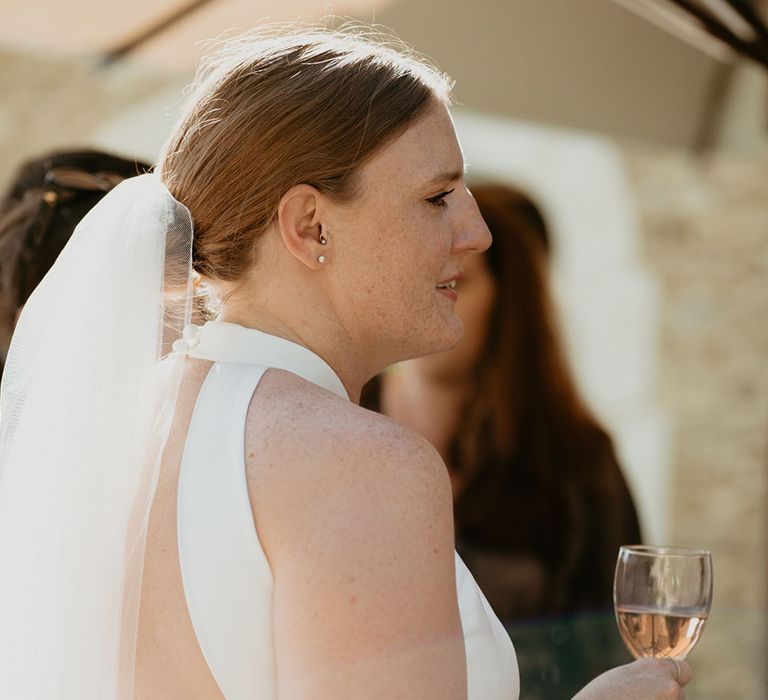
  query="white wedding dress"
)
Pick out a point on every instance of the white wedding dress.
point(227, 579)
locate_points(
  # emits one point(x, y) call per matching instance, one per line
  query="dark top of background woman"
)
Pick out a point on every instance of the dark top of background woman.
point(47, 198)
point(544, 506)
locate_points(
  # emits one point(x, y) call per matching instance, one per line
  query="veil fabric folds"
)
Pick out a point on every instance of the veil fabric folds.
point(88, 394)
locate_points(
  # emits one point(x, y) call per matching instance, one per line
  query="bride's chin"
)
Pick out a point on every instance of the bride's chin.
point(447, 340)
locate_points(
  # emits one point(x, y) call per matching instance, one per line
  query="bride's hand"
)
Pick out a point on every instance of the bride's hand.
point(647, 679)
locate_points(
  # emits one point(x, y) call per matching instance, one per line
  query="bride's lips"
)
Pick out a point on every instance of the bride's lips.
point(450, 291)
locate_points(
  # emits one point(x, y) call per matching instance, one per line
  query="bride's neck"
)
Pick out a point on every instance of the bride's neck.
point(307, 324)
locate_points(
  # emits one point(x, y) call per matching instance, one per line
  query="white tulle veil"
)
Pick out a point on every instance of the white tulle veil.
point(88, 393)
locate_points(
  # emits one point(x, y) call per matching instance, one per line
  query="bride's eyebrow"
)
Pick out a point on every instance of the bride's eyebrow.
point(449, 176)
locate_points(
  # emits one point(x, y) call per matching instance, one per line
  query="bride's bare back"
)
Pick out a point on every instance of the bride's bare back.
point(169, 661)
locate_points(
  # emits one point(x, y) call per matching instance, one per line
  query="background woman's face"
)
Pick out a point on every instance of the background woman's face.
point(477, 296)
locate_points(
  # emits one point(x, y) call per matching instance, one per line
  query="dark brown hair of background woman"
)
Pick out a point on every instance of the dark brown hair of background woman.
point(47, 198)
point(549, 482)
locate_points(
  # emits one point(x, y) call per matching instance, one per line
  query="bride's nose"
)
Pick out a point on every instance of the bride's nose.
point(472, 234)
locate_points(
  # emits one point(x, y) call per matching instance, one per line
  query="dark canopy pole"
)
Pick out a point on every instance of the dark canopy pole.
point(122, 50)
point(751, 16)
point(755, 49)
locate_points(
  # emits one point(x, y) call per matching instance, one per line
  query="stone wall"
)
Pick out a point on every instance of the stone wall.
point(705, 237)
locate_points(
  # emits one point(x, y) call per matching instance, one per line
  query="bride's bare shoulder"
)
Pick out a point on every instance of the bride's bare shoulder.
point(310, 449)
point(290, 418)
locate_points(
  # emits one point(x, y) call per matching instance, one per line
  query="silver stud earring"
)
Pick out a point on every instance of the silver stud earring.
point(323, 239)
point(321, 259)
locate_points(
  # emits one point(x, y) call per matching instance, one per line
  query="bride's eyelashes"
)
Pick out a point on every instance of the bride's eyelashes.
point(439, 199)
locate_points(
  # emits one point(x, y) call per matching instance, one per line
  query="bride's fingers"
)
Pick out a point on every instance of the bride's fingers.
point(674, 669)
point(683, 672)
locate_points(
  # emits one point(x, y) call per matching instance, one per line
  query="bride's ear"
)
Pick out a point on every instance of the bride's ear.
point(299, 225)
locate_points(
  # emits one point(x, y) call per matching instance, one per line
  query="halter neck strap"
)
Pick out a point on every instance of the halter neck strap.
point(229, 342)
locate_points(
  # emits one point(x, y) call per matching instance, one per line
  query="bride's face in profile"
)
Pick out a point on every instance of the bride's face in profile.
point(403, 237)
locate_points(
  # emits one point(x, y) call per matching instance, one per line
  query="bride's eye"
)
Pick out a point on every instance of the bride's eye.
point(439, 199)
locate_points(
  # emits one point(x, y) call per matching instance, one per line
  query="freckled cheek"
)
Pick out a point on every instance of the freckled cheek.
point(401, 249)
point(405, 251)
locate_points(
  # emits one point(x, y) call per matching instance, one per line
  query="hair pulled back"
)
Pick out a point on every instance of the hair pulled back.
point(271, 112)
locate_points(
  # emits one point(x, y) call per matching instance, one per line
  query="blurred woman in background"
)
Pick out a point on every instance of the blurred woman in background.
point(540, 503)
point(46, 199)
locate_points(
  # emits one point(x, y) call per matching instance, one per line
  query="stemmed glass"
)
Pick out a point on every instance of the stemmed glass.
point(662, 597)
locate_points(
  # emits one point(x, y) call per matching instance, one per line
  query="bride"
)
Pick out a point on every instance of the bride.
point(203, 511)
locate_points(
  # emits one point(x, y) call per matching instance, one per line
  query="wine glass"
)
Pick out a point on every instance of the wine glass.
point(662, 597)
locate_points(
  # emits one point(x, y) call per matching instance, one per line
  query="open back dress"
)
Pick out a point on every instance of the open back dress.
point(227, 579)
